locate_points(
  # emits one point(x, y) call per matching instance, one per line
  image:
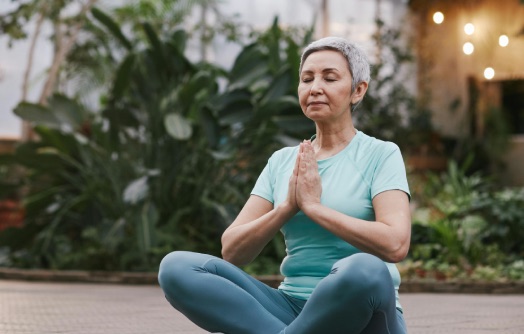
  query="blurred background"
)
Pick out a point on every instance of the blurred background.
point(129, 129)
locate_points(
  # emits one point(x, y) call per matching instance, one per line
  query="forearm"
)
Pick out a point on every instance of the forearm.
point(242, 243)
point(390, 243)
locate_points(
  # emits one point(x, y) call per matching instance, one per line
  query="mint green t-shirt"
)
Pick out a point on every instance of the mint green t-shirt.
point(350, 180)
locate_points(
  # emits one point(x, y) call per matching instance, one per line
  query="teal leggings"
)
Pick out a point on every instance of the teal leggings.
point(356, 297)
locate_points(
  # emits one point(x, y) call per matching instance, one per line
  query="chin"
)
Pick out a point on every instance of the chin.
point(316, 116)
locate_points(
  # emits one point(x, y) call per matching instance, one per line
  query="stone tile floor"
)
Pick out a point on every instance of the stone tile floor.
point(41, 308)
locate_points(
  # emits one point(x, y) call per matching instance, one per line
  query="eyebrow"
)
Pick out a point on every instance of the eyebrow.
point(329, 69)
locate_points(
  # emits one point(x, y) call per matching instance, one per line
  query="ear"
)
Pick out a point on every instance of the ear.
point(359, 92)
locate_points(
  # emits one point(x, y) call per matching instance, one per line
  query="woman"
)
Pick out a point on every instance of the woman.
point(341, 200)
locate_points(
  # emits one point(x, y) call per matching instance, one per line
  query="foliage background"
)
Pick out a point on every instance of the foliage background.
point(172, 148)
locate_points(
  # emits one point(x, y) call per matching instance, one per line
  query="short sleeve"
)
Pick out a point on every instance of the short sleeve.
point(390, 173)
point(265, 183)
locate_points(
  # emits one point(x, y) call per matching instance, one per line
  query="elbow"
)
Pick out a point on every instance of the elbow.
point(397, 256)
point(227, 255)
point(398, 253)
point(227, 252)
point(232, 257)
point(398, 248)
point(231, 253)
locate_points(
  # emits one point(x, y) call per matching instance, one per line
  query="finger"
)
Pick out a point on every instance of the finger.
point(303, 161)
point(310, 153)
point(304, 157)
point(311, 158)
point(309, 147)
point(297, 161)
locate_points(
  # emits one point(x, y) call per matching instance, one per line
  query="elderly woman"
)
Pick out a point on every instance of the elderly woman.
point(341, 201)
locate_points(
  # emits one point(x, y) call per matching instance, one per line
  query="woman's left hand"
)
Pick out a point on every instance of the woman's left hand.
point(309, 183)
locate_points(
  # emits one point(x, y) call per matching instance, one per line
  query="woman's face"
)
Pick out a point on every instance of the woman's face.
point(324, 91)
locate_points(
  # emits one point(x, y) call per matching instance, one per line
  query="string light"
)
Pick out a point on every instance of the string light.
point(469, 28)
point(503, 40)
point(468, 48)
point(438, 17)
point(489, 73)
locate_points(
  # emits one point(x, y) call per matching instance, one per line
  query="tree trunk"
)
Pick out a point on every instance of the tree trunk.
point(27, 132)
point(325, 18)
point(203, 32)
point(34, 39)
point(378, 17)
point(60, 55)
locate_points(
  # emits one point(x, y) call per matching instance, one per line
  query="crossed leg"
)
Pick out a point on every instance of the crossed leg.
point(356, 297)
point(220, 297)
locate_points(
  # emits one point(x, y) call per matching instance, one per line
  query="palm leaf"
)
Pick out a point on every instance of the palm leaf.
point(112, 26)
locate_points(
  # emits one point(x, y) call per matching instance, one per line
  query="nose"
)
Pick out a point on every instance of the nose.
point(316, 87)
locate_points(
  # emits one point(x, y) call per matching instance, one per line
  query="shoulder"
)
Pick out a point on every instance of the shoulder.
point(373, 148)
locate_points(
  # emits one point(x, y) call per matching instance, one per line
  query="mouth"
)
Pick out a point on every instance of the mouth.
point(316, 103)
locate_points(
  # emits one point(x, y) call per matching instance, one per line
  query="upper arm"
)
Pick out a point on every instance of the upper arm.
point(254, 208)
point(390, 172)
point(392, 208)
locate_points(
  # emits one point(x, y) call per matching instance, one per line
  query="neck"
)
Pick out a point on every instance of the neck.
point(332, 140)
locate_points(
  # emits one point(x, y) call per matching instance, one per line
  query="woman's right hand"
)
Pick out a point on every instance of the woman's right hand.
point(291, 200)
point(258, 222)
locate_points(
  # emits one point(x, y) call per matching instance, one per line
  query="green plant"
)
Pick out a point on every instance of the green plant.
point(515, 270)
point(259, 108)
point(119, 188)
point(163, 165)
point(465, 220)
point(484, 273)
point(503, 209)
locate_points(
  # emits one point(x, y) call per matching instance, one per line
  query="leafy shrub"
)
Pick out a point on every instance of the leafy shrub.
point(465, 220)
point(165, 165)
point(515, 270)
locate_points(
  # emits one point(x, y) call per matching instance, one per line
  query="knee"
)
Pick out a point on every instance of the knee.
point(360, 272)
point(175, 269)
point(169, 268)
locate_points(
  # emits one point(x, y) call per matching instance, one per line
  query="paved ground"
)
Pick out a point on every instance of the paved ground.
point(43, 308)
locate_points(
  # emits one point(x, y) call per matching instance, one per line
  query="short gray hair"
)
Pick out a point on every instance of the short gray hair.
point(358, 62)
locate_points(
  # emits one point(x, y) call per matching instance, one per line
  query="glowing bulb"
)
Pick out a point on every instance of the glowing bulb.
point(468, 48)
point(469, 28)
point(489, 73)
point(438, 17)
point(503, 40)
